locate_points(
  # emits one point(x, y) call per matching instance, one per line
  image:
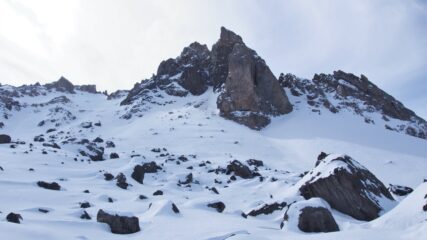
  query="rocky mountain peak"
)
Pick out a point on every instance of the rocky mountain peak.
point(62, 85)
point(250, 93)
point(228, 37)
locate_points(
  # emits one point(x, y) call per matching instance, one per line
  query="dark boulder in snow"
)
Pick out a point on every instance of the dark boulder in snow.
point(139, 171)
point(239, 169)
point(158, 193)
point(85, 216)
point(317, 219)
point(347, 186)
point(50, 186)
point(311, 216)
point(400, 190)
point(5, 138)
point(114, 155)
point(14, 217)
point(108, 176)
point(119, 224)
point(121, 181)
point(219, 206)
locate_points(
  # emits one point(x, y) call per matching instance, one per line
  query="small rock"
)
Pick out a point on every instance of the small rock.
point(158, 193)
point(219, 206)
point(14, 218)
point(50, 186)
point(119, 224)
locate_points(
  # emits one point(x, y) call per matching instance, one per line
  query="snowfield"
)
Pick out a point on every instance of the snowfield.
point(191, 127)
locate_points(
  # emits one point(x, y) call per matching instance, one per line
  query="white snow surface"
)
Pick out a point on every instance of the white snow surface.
point(191, 126)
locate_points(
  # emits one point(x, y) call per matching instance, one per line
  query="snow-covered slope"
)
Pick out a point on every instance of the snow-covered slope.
point(190, 127)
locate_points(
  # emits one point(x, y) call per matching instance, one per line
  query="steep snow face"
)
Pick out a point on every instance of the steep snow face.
point(342, 91)
point(184, 135)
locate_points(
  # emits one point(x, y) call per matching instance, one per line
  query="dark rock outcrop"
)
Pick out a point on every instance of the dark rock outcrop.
point(121, 181)
point(62, 85)
point(119, 224)
point(317, 219)
point(267, 209)
point(50, 186)
point(251, 92)
point(5, 138)
point(114, 155)
point(14, 218)
point(221, 50)
point(347, 186)
point(239, 169)
point(400, 190)
point(87, 88)
point(139, 171)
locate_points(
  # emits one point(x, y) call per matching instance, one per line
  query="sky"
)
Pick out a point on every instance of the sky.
point(115, 43)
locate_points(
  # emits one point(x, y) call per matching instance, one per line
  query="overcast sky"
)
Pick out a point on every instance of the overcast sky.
point(115, 43)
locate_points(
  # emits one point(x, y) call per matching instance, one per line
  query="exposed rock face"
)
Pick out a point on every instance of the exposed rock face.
point(317, 219)
point(5, 138)
point(344, 91)
point(348, 187)
point(62, 85)
point(87, 88)
point(220, 53)
point(119, 224)
point(251, 92)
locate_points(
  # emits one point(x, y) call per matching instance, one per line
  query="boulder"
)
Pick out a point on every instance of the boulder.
point(219, 206)
point(121, 181)
point(50, 186)
point(317, 219)
point(267, 209)
point(311, 216)
point(139, 171)
point(5, 138)
point(114, 155)
point(119, 224)
point(347, 186)
point(14, 218)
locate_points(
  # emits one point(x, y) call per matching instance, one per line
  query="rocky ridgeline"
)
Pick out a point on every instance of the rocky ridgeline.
point(249, 93)
point(10, 95)
point(343, 91)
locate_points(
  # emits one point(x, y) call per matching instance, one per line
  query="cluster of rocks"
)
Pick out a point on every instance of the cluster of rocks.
point(346, 91)
point(250, 93)
point(341, 183)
